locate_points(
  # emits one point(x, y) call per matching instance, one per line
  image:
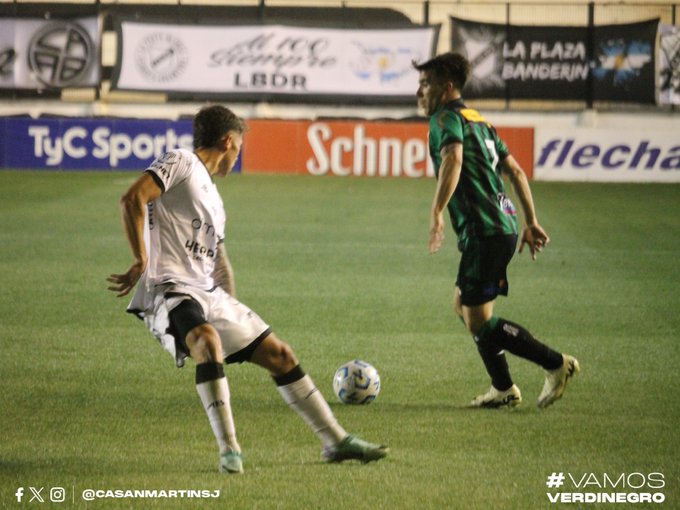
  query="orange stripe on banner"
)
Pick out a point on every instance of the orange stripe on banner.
point(520, 141)
point(274, 146)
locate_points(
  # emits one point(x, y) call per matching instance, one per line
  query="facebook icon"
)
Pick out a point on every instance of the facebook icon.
point(19, 494)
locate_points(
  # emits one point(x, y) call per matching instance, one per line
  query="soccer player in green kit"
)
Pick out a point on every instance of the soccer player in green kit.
point(470, 160)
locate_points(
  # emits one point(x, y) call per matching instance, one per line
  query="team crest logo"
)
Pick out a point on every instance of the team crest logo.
point(483, 47)
point(161, 57)
point(60, 54)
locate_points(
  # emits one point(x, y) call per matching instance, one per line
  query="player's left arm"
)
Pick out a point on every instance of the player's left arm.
point(223, 274)
point(533, 234)
point(449, 175)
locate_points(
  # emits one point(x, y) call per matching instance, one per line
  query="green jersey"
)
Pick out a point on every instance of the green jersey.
point(479, 206)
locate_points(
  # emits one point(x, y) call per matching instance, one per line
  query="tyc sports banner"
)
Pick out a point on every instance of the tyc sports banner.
point(552, 62)
point(89, 143)
point(266, 60)
point(37, 54)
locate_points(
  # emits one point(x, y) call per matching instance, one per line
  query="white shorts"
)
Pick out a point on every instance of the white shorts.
point(238, 326)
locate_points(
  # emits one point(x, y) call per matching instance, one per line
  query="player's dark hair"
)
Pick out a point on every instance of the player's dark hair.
point(213, 123)
point(452, 67)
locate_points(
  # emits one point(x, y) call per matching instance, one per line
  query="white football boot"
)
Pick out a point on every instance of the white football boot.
point(494, 398)
point(556, 381)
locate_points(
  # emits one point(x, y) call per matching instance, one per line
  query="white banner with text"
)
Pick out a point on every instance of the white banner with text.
point(271, 59)
point(606, 155)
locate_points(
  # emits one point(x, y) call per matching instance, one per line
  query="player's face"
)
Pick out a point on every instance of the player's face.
point(232, 148)
point(430, 93)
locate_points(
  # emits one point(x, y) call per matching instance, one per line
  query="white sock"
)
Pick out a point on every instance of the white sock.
point(306, 400)
point(216, 402)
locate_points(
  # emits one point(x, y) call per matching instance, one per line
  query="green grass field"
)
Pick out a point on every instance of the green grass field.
point(340, 269)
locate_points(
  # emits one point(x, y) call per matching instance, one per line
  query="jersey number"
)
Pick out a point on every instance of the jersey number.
point(494, 154)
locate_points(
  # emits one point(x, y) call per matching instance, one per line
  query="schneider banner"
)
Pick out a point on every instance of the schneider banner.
point(89, 144)
point(37, 53)
point(551, 62)
point(264, 60)
point(606, 155)
point(355, 148)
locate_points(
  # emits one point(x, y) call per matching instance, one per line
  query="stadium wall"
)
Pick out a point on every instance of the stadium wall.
point(564, 147)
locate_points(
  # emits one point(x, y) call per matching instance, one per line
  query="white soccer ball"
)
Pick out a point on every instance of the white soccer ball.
point(356, 382)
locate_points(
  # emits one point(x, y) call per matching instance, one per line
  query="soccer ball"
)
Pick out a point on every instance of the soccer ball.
point(356, 382)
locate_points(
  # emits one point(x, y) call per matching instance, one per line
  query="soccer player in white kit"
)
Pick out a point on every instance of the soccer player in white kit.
point(174, 221)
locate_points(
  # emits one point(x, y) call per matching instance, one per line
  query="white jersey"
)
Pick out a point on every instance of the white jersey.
point(184, 227)
point(186, 223)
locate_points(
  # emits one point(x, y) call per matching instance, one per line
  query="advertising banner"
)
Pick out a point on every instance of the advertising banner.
point(340, 148)
point(89, 144)
point(252, 61)
point(355, 148)
point(669, 83)
point(526, 62)
point(317, 148)
point(37, 54)
point(551, 62)
point(607, 155)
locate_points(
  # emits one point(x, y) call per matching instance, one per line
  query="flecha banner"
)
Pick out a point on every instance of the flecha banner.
point(606, 155)
point(264, 60)
point(551, 62)
point(38, 54)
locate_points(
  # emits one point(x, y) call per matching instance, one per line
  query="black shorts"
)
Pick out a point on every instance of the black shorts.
point(189, 314)
point(482, 270)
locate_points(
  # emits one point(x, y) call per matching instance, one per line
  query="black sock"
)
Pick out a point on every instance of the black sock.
point(209, 372)
point(495, 362)
point(517, 340)
point(294, 375)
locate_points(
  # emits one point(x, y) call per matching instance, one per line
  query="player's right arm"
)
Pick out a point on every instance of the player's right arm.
point(133, 208)
point(447, 181)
